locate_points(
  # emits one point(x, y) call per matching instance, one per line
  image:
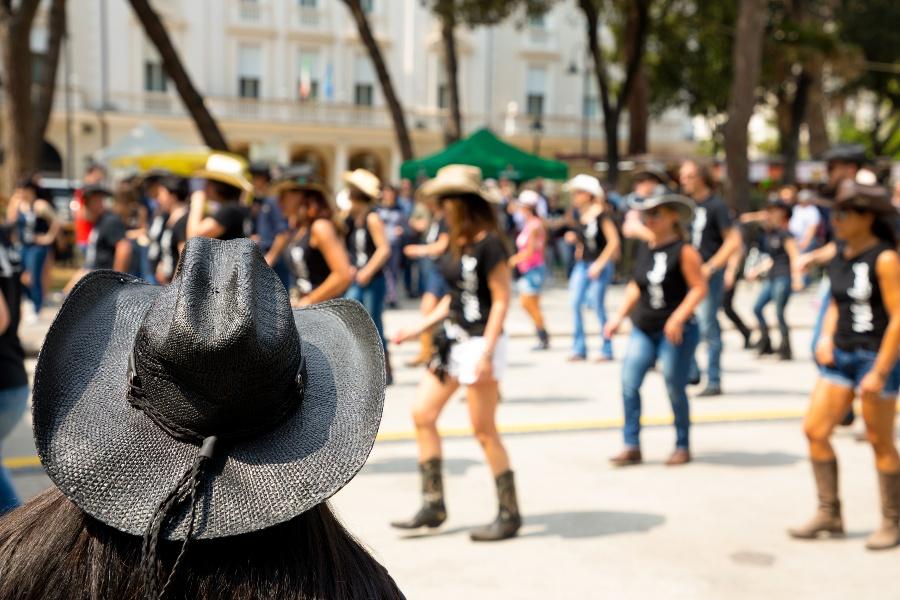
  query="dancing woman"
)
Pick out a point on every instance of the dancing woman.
point(597, 250)
point(857, 353)
point(316, 254)
point(436, 243)
point(661, 299)
point(782, 277)
point(529, 260)
point(473, 351)
point(37, 228)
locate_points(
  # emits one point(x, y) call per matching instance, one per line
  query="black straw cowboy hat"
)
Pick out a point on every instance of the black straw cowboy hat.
point(684, 205)
point(872, 198)
point(211, 388)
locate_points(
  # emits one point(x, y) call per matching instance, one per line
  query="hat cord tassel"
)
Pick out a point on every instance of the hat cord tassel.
point(188, 487)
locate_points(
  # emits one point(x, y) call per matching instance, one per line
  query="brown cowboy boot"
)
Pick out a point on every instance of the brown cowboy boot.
point(828, 516)
point(888, 535)
point(508, 521)
point(433, 512)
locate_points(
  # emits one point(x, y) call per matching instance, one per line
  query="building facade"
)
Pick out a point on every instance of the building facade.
point(290, 81)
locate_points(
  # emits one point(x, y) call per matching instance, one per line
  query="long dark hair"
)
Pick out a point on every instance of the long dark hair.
point(470, 215)
point(51, 550)
point(883, 229)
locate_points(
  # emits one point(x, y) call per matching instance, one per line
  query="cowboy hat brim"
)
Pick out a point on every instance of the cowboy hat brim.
point(280, 187)
point(241, 183)
point(366, 187)
point(684, 205)
point(435, 188)
point(112, 461)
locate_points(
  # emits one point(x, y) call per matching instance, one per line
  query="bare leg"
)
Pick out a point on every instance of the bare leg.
point(483, 399)
point(532, 305)
point(431, 397)
point(879, 416)
point(828, 407)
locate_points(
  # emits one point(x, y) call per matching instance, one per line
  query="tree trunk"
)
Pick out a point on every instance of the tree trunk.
point(16, 110)
point(384, 78)
point(751, 23)
point(43, 106)
point(453, 131)
point(791, 145)
point(639, 99)
point(815, 111)
point(174, 68)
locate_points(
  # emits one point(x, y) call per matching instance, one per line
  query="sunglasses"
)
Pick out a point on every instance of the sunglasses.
point(652, 213)
point(840, 214)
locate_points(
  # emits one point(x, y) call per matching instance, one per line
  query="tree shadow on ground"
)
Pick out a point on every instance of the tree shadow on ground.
point(767, 392)
point(545, 400)
point(566, 525)
point(748, 459)
point(396, 466)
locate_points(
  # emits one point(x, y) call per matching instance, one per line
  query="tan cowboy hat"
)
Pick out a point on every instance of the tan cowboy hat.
point(684, 205)
point(225, 169)
point(365, 181)
point(457, 180)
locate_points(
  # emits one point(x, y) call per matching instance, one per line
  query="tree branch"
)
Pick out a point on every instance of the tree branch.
point(25, 14)
point(592, 17)
point(633, 62)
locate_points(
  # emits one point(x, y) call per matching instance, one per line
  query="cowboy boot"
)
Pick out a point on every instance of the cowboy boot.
point(764, 345)
point(508, 521)
point(784, 350)
point(388, 370)
point(426, 352)
point(828, 516)
point(433, 513)
point(888, 535)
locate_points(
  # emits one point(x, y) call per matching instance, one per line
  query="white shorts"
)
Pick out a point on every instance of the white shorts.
point(465, 355)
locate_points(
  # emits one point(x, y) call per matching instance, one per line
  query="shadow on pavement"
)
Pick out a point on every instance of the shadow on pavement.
point(588, 524)
point(545, 400)
point(749, 459)
point(764, 392)
point(394, 466)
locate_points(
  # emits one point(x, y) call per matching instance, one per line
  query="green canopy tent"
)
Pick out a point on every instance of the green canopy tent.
point(492, 155)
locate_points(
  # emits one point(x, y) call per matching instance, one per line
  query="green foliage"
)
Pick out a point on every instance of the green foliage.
point(849, 133)
point(486, 12)
point(874, 27)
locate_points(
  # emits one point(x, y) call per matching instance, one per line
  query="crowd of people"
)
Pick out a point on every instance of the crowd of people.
point(463, 247)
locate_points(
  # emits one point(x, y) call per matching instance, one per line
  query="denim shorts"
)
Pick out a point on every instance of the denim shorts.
point(435, 284)
point(850, 366)
point(531, 281)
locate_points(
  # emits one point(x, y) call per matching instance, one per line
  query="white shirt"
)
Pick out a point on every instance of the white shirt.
point(802, 219)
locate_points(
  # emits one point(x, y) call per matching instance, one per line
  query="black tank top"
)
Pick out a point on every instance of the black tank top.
point(781, 261)
point(862, 318)
point(30, 226)
point(360, 244)
point(307, 264)
point(593, 238)
point(657, 272)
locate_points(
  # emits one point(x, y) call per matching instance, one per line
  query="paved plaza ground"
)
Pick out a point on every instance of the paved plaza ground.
point(711, 530)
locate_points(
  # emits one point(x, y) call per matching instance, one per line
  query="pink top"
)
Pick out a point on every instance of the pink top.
point(536, 258)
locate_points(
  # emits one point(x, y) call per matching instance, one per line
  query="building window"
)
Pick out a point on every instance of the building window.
point(443, 96)
point(535, 91)
point(308, 75)
point(368, 6)
point(364, 94)
point(38, 42)
point(537, 22)
point(307, 3)
point(154, 77)
point(364, 86)
point(249, 71)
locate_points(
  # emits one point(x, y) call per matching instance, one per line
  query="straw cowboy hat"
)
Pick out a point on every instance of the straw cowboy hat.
point(206, 408)
point(684, 205)
point(225, 169)
point(301, 178)
point(365, 181)
point(585, 183)
point(458, 180)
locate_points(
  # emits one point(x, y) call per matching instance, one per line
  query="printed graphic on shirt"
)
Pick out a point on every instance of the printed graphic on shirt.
point(861, 292)
point(655, 278)
point(359, 242)
point(470, 304)
point(698, 226)
point(301, 271)
point(590, 236)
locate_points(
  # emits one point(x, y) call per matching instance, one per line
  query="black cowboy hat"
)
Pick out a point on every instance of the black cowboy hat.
point(138, 387)
point(849, 153)
point(684, 205)
point(300, 177)
point(95, 189)
point(872, 198)
point(651, 171)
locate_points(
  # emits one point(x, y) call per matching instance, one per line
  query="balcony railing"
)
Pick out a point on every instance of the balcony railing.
point(251, 12)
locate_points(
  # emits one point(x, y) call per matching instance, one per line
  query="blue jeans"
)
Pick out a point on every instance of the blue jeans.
point(372, 298)
point(779, 290)
point(710, 332)
point(582, 289)
point(643, 351)
point(33, 259)
point(13, 402)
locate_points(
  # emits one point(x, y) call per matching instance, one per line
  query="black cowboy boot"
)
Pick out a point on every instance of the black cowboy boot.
point(508, 521)
point(784, 350)
point(433, 513)
point(764, 345)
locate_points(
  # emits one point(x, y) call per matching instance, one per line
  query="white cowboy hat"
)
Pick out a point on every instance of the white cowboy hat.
point(586, 183)
point(365, 181)
point(529, 198)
